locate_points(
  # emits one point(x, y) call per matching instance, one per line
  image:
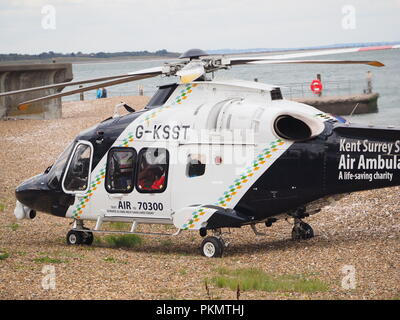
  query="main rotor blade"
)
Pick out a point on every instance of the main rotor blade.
point(246, 59)
point(370, 63)
point(155, 71)
point(24, 105)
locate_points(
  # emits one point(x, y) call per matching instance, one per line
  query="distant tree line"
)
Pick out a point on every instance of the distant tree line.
point(100, 55)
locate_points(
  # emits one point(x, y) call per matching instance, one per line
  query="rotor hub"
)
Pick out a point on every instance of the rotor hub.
point(193, 54)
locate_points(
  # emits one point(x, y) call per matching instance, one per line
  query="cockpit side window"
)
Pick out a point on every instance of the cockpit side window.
point(120, 170)
point(57, 169)
point(152, 170)
point(77, 176)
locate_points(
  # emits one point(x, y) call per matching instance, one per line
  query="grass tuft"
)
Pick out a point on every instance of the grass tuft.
point(124, 241)
point(113, 260)
point(97, 241)
point(122, 226)
point(13, 226)
point(4, 256)
point(47, 260)
point(255, 279)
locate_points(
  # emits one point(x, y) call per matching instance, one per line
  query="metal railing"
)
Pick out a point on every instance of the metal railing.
point(330, 88)
point(289, 90)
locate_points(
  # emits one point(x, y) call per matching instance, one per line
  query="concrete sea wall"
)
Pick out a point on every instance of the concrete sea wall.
point(22, 76)
point(344, 105)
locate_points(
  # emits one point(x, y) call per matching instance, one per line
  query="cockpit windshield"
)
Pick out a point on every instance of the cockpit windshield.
point(56, 171)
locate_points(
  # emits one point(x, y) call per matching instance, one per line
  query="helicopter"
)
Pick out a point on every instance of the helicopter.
point(208, 155)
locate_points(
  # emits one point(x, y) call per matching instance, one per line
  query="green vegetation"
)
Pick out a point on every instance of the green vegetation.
point(2, 207)
point(47, 260)
point(255, 279)
point(4, 256)
point(168, 227)
point(113, 260)
point(98, 55)
point(122, 226)
point(68, 254)
point(97, 241)
point(166, 243)
point(124, 241)
point(13, 226)
point(182, 272)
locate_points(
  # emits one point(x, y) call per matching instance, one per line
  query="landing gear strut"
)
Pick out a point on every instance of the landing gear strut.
point(302, 230)
point(87, 237)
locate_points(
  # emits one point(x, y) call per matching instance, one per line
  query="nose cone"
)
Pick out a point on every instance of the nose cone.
point(34, 193)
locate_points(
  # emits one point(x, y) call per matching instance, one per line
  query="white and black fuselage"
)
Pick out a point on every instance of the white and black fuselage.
point(225, 154)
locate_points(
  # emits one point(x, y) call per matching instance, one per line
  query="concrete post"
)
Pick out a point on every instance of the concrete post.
point(22, 76)
point(319, 78)
point(82, 94)
point(369, 82)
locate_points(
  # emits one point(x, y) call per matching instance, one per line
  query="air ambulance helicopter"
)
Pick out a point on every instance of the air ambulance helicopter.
point(207, 155)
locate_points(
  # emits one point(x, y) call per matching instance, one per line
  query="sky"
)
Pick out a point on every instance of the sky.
point(35, 26)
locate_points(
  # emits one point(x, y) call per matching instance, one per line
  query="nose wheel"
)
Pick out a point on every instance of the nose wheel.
point(75, 237)
point(302, 230)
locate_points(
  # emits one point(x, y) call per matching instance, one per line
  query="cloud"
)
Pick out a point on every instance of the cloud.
point(39, 3)
point(105, 25)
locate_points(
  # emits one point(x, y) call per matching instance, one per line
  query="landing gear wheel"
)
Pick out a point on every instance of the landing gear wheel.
point(302, 231)
point(88, 238)
point(212, 247)
point(74, 237)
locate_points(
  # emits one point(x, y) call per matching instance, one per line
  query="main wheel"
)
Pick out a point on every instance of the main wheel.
point(74, 237)
point(88, 238)
point(302, 231)
point(212, 247)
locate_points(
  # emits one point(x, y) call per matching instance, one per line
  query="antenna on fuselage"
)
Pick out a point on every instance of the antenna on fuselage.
point(119, 105)
point(352, 112)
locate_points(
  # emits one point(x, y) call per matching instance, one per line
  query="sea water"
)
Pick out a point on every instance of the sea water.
point(338, 79)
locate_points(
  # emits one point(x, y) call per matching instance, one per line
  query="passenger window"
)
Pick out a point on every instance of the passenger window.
point(153, 170)
point(77, 176)
point(196, 166)
point(120, 170)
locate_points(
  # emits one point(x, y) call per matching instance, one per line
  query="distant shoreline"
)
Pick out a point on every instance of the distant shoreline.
point(88, 60)
point(173, 55)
